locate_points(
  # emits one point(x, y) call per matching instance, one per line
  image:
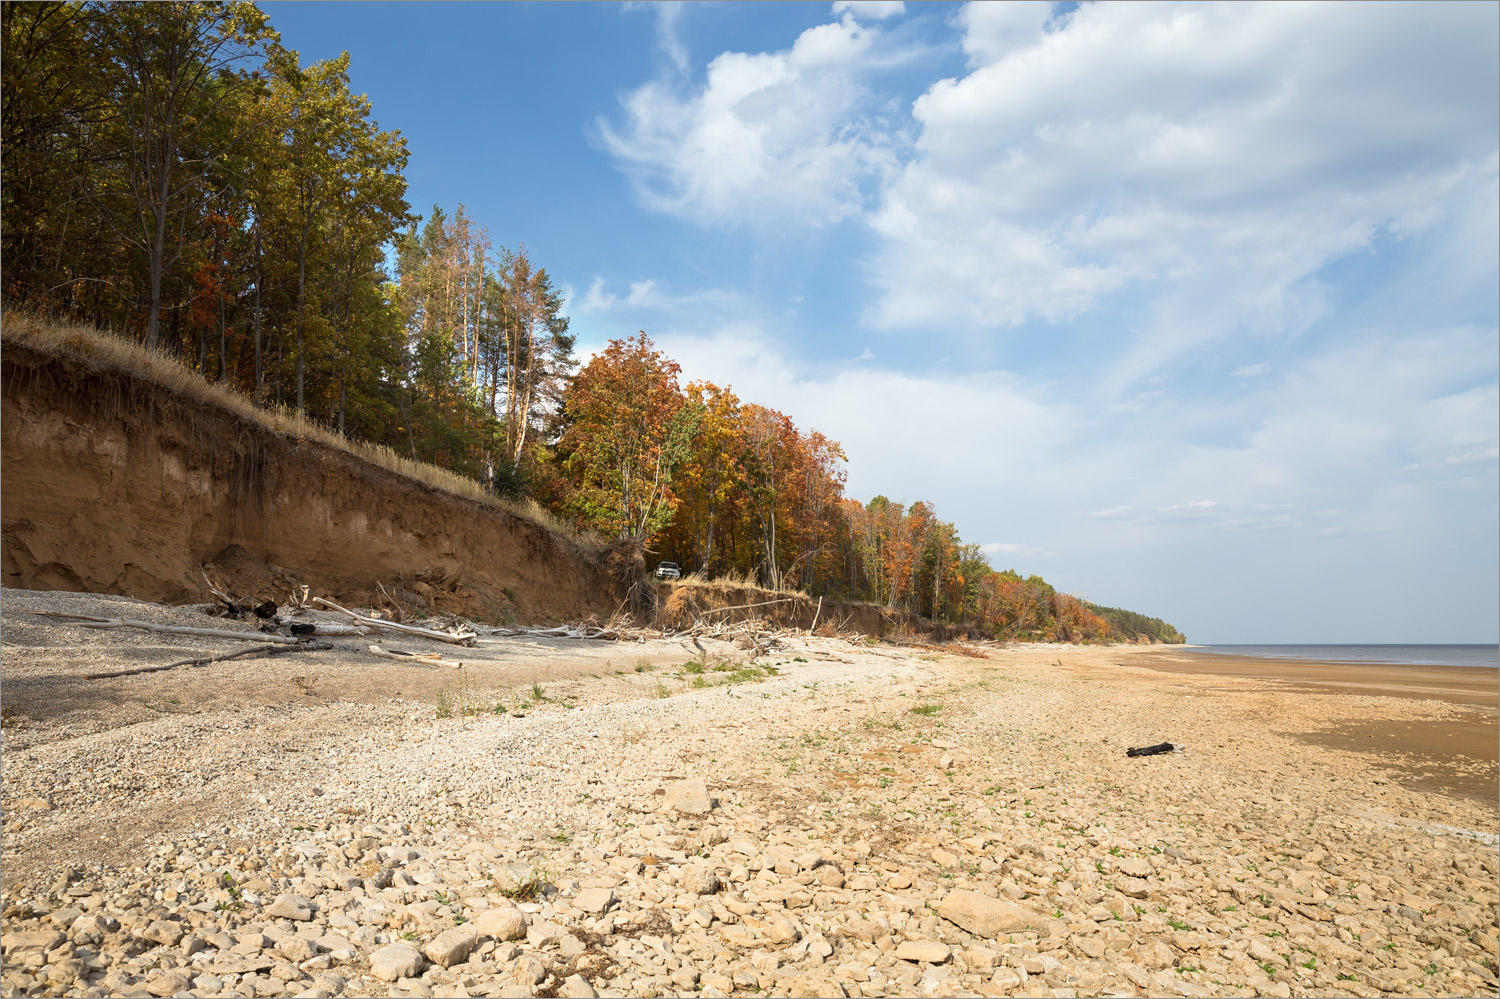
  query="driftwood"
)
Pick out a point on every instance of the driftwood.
point(1161, 747)
point(816, 615)
point(460, 638)
point(403, 656)
point(210, 660)
point(583, 631)
point(89, 621)
point(301, 628)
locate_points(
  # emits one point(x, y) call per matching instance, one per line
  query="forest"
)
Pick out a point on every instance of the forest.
point(172, 174)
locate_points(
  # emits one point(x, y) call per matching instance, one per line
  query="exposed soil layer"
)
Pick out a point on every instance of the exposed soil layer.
point(114, 484)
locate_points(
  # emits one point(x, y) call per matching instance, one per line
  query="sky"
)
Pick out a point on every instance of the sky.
point(1192, 309)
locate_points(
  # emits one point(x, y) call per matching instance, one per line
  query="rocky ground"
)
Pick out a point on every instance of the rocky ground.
point(826, 818)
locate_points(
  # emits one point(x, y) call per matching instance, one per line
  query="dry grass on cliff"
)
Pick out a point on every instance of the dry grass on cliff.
point(104, 350)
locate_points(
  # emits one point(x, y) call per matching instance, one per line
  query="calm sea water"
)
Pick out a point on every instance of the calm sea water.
point(1421, 655)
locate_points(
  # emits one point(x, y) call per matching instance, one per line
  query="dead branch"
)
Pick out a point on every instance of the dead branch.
point(461, 638)
point(816, 614)
point(210, 660)
point(404, 656)
point(763, 603)
point(88, 621)
point(227, 600)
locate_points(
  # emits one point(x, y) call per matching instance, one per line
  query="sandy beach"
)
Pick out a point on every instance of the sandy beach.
point(821, 817)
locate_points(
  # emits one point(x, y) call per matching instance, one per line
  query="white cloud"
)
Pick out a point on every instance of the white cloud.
point(1250, 370)
point(1214, 156)
point(995, 548)
point(768, 137)
point(872, 10)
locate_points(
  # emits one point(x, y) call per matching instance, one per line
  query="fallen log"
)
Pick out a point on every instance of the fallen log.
point(105, 623)
point(276, 650)
point(461, 638)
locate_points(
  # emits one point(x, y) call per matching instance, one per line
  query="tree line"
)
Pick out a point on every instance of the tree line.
point(728, 488)
point(175, 175)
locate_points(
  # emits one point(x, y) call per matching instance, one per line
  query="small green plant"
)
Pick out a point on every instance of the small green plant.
point(1269, 968)
point(538, 692)
point(525, 889)
point(927, 710)
point(1344, 977)
point(1114, 851)
point(444, 705)
point(1178, 924)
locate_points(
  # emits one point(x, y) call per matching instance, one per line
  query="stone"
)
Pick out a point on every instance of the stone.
point(1262, 954)
point(295, 948)
point(32, 940)
point(689, 796)
point(698, 879)
point(1089, 946)
point(944, 858)
point(1153, 954)
point(592, 901)
point(169, 983)
point(829, 876)
point(987, 917)
point(451, 947)
point(1006, 979)
point(529, 970)
point(163, 931)
point(928, 951)
point(1135, 867)
point(576, 987)
point(297, 907)
point(782, 930)
point(396, 961)
point(501, 924)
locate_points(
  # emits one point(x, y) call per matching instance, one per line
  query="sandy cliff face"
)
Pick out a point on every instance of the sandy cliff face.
point(112, 484)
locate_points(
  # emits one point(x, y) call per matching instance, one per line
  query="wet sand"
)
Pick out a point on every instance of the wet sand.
point(1457, 754)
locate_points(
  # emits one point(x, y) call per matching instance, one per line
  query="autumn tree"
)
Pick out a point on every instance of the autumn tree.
point(627, 429)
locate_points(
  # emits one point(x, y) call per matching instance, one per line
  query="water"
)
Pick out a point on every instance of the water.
point(1418, 655)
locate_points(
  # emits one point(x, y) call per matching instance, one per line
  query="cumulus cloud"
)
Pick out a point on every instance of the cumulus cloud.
point(871, 10)
point(783, 136)
point(1215, 156)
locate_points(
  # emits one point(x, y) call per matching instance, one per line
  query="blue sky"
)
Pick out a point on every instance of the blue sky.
point(1191, 309)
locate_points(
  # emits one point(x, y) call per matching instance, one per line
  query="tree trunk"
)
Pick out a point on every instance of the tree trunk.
point(301, 307)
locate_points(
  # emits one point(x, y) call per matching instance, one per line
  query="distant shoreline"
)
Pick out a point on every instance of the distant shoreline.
point(1464, 654)
point(1458, 753)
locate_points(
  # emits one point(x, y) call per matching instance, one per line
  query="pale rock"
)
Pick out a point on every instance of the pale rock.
point(1135, 867)
point(396, 961)
point(576, 987)
point(698, 879)
point(987, 917)
point(1153, 954)
point(829, 876)
point(297, 907)
point(529, 970)
point(1262, 954)
point(163, 931)
point(451, 947)
point(594, 901)
point(1006, 979)
point(784, 931)
point(689, 796)
point(169, 983)
point(501, 924)
point(929, 951)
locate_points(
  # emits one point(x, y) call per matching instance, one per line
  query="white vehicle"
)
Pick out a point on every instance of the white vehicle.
point(668, 570)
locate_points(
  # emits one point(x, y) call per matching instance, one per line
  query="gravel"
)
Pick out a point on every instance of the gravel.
point(829, 818)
